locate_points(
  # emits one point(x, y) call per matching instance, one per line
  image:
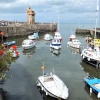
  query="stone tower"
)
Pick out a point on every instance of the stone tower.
point(30, 16)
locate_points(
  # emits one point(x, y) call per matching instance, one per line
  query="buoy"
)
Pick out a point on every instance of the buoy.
point(90, 90)
point(98, 95)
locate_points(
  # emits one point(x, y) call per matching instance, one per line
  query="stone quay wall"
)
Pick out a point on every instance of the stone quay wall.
point(25, 29)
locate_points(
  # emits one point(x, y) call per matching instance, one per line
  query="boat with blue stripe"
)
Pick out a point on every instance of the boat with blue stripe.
point(55, 44)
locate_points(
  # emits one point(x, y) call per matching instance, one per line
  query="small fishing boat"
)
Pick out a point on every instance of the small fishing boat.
point(27, 44)
point(88, 38)
point(55, 44)
point(33, 36)
point(58, 36)
point(74, 43)
point(9, 43)
point(53, 86)
point(72, 37)
point(94, 84)
point(48, 37)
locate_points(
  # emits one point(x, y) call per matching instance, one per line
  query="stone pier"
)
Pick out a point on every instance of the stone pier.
point(88, 31)
point(25, 29)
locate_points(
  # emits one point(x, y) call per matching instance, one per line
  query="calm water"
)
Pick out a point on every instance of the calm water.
point(22, 76)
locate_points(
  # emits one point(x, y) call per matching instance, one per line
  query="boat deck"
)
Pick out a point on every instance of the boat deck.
point(97, 86)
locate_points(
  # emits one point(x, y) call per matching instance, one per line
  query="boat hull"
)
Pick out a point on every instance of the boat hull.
point(90, 59)
point(28, 46)
point(55, 46)
point(74, 45)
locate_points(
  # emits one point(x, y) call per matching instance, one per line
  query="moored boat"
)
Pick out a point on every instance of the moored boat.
point(33, 36)
point(48, 37)
point(58, 36)
point(9, 43)
point(27, 44)
point(92, 53)
point(53, 86)
point(94, 84)
point(72, 37)
point(55, 44)
point(74, 43)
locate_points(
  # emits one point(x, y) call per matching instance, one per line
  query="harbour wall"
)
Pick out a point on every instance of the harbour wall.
point(88, 31)
point(25, 29)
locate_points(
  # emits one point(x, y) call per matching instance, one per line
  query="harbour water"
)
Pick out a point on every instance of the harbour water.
point(20, 82)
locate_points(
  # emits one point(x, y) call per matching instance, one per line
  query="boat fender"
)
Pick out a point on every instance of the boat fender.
point(88, 59)
point(46, 93)
point(90, 90)
point(83, 57)
point(98, 95)
point(42, 88)
point(81, 54)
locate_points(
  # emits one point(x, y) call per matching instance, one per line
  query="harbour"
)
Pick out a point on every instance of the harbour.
point(50, 61)
point(20, 81)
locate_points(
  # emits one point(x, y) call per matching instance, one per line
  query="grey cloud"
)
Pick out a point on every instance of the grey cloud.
point(56, 2)
point(7, 1)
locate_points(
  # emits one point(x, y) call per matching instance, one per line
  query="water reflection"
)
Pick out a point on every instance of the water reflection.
point(75, 50)
point(47, 42)
point(29, 51)
point(90, 70)
point(55, 52)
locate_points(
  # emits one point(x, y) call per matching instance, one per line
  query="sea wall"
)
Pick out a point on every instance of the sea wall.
point(25, 29)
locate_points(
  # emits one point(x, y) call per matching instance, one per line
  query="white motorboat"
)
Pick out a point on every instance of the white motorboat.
point(58, 36)
point(55, 44)
point(72, 37)
point(48, 37)
point(27, 44)
point(33, 36)
point(74, 43)
point(53, 86)
point(92, 54)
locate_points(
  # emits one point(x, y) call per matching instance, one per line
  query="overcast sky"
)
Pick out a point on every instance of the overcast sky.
point(69, 11)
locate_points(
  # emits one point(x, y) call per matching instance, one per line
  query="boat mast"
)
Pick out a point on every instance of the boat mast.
point(97, 9)
point(58, 24)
